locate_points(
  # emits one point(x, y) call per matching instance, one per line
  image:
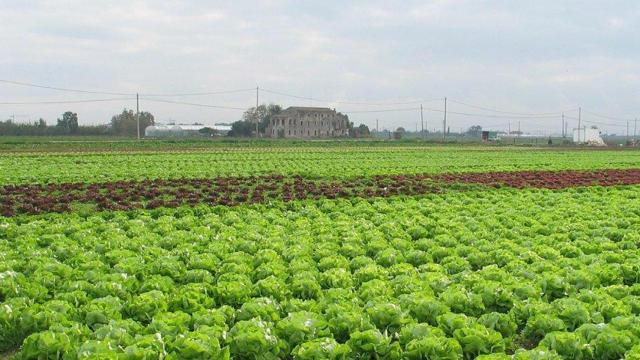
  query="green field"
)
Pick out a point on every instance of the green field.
point(312, 161)
point(486, 273)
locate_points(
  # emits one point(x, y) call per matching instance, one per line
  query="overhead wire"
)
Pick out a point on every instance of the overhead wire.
point(155, 98)
point(593, 122)
point(606, 116)
point(379, 111)
point(508, 112)
point(602, 124)
point(65, 89)
point(348, 102)
point(63, 101)
point(493, 115)
point(201, 93)
point(194, 104)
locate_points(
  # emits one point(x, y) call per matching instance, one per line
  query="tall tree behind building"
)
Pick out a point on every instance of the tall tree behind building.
point(262, 114)
point(247, 126)
point(69, 122)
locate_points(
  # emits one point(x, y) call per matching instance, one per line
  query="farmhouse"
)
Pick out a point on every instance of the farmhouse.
point(308, 122)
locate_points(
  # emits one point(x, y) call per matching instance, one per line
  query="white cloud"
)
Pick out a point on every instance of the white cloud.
point(527, 57)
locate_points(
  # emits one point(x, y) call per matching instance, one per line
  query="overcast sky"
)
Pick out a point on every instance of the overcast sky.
point(542, 56)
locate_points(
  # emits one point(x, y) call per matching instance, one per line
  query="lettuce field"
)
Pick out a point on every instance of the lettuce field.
point(312, 252)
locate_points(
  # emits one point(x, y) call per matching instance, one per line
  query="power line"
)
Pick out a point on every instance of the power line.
point(63, 101)
point(455, 113)
point(503, 125)
point(495, 116)
point(595, 122)
point(606, 117)
point(347, 102)
point(603, 124)
point(64, 89)
point(202, 93)
point(379, 111)
point(151, 97)
point(194, 104)
point(122, 93)
point(508, 112)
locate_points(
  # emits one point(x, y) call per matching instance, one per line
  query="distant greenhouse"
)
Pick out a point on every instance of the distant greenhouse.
point(186, 130)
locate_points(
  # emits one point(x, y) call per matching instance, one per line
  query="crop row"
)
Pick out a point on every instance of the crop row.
point(309, 162)
point(546, 179)
point(533, 274)
point(151, 194)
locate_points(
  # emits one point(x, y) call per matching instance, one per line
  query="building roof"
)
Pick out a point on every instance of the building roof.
point(291, 109)
point(309, 108)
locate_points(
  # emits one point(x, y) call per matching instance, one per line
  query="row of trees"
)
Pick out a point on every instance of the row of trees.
point(123, 124)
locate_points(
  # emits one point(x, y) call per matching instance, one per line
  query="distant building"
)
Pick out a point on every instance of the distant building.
point(490, 136)
point(590, 136)
point(185, 130)
point(308, 122)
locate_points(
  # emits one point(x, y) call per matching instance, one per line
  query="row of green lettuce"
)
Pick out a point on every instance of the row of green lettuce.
point(310, 162)
point(530, 274)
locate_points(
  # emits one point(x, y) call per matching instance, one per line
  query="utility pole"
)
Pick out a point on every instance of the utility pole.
point(257, 117)
point(627, 131)
point(635, 125)
point(563, 134)
point(377, 128)
point(519, 133)
point(509, 133)
point(579, 123)
point(444, 121)
point(422, 121)
point(138, 114)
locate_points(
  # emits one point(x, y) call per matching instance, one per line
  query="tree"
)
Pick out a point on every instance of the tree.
point(475, 130)
point(247, 126)
point(41, 124)
point(125, 122)
point(207, 131)
point(69, 122)
point(360, 132)
point(241, 128)
point(263, 115)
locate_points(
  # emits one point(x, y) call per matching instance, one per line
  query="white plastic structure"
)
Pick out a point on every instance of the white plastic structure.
point(589, 136)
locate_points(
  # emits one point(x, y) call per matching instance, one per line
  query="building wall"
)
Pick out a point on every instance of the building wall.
point(293, 123)
point(587, 135)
